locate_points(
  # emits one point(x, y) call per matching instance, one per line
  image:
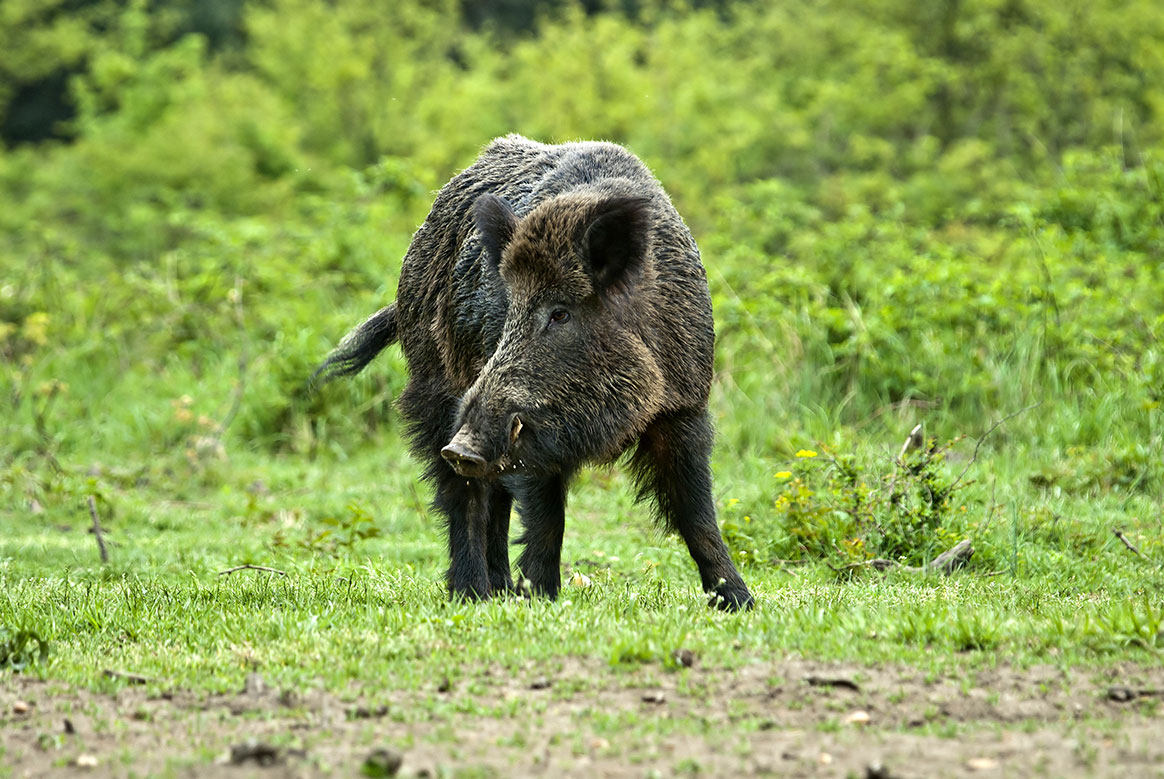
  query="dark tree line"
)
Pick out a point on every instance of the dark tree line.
point(35, 104)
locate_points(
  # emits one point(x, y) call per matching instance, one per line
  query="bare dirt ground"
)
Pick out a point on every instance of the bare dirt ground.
point(580, 718)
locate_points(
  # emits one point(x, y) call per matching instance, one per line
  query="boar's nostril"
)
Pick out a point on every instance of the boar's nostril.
point(464, 461)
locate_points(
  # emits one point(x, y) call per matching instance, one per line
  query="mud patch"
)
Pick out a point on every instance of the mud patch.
point(582, 718)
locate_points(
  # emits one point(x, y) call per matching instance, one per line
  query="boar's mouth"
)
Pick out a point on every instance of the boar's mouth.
point(464, 453)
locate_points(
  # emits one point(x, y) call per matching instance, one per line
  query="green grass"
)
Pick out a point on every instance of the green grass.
point(1050, 584)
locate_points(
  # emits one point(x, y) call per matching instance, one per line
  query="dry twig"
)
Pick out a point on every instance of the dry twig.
point(97, 530)
point(1119, 534)
point(249, 567)
point(832, 681)
point(914, 440)
point(126, 676)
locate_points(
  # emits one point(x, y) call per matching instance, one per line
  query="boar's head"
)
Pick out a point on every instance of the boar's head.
point(572, 378)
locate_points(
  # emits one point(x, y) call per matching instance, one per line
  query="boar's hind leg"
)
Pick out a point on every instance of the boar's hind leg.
point(542, 506)
point(465, 504)
point(672, 463)
point(497, 543)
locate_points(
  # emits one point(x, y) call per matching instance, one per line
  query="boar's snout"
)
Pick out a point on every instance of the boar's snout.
point(478, 457)
point(461, 453)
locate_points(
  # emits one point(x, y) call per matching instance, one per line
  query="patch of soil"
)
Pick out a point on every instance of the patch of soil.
point(581, 718)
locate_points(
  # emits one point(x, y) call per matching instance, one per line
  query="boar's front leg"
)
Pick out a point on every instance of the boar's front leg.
point(465, 504)
point(542, 506)
point(497, 543)
point(672, 462)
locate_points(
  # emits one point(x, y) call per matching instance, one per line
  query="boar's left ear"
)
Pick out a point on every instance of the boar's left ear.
point(495, 222)
point(614, 241)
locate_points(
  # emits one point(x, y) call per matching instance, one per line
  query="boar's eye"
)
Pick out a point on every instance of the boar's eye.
point(559, 316)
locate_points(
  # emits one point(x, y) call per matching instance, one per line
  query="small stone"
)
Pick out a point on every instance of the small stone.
point(85, 761)
point(258, 752)
point(21, 707)
point(684, 657)
point(982, 764)
point(858, 717)
point(382, 763)
point(825, 758)
point(877, 771)
point(654, 696)
point(541, 683)
point(1121, 694)
point(598, 744)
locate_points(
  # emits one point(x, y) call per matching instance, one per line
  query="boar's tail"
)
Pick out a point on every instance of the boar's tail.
point(359, 346)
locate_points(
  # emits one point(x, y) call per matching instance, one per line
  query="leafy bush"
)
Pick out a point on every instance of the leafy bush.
point(840, 508)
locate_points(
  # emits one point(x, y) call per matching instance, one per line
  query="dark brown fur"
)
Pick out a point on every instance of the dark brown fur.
point(554, 312)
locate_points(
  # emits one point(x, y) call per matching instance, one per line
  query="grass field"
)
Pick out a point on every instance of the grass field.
point(162, 662)
point(948, 214)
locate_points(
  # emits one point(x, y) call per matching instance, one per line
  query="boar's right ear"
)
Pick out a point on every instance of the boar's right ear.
point(495, 222)
point(614, 243)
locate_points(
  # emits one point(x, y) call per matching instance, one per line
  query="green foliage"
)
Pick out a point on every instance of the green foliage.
point(840, 508)
point(20, 649)
point(339, 535)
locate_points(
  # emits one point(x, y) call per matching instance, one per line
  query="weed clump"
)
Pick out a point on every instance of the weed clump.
point(21, 648)
point(843, 509)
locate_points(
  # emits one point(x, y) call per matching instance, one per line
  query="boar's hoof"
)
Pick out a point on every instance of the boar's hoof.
point(464, 462)
point(732, 599)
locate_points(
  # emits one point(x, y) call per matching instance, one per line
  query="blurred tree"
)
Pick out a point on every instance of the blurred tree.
point(522, 15)
point(43, 43)
point(516, 15)
point(219, 21)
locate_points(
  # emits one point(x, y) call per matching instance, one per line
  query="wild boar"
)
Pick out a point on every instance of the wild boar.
point(554, 312)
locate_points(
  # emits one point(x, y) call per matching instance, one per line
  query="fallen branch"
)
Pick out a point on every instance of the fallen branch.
point(126, 676)
point(97, 530)
point(1121, 694)
point(249, 567)
point(915, 440)
point(953, 558)
point(1119, 534)
point(832, 681)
